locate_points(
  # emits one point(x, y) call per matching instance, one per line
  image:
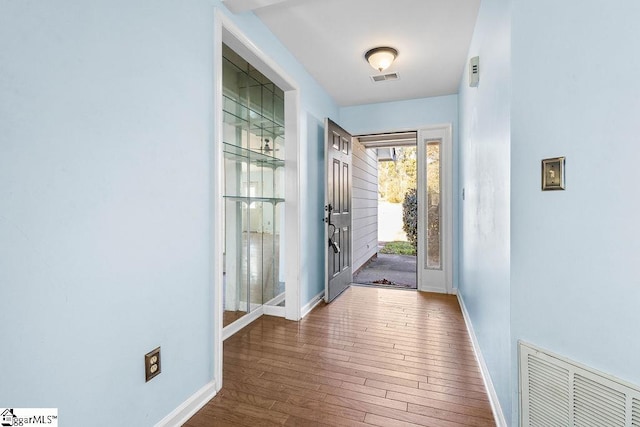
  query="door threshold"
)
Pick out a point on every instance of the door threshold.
point(380, 285)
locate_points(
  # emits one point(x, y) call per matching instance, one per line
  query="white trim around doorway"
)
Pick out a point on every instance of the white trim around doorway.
point(226, 31)
point(444, 133)
point(430, 280)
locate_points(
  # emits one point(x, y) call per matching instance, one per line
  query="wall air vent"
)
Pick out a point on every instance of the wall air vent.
point(385, 77)
point(556, 391)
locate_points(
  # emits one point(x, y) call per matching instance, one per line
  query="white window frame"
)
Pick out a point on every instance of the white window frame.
point(429, 280)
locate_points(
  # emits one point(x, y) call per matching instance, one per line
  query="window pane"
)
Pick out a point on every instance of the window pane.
point(434, 185)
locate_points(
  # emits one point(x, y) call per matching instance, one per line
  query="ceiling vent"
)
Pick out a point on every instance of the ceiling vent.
point(385, 77)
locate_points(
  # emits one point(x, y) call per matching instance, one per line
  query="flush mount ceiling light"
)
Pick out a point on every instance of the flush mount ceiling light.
point(381, 58)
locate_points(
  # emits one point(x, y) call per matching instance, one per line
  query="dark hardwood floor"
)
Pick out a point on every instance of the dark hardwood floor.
point(374, 356)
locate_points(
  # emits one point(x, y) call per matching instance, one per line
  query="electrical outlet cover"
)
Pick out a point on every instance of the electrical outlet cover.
point(152, 364)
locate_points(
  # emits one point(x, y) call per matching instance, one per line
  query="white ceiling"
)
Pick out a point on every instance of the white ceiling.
point(330, 37)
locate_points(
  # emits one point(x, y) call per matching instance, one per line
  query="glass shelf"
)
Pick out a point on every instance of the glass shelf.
point(254, 217)
point(247, 86)
point(241, 116)
point(233, 152)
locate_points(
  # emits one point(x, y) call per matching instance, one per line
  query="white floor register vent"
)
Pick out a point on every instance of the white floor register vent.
point(556, 391)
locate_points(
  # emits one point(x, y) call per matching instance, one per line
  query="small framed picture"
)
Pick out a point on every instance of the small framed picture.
point(553, 174)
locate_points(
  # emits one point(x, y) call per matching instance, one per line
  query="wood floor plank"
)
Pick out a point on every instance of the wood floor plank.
point(327, 414)
point(356, 387)
point(433, 391)
point(323, 369)
point(464, 419)
point(378, 420)
point(281, 392)
point(423, 397)
point(248, 398)
point(300, 383)
point(458, 408)
point(256, 412)
point(370, 354)
point(226, 413)
point(396, 414)
point(428, 370)
point(456, 384)
point(373, 370)
point(372, 357)
point(364, 397)
point(293, 421)
point(256, 386)
point(443, 361)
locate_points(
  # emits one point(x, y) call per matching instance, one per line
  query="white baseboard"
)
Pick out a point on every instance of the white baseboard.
point(276, 300)
point(272, 307)
point(498, 415)
point(274, 310)
point(306, 309)
point(189, 407)
point(234, 327)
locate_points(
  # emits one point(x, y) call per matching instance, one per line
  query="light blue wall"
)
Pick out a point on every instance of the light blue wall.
point(485, 212)
point(105, 130)
point(313, 247)
point(400, 115)
point(410, 115)
point(576, 93)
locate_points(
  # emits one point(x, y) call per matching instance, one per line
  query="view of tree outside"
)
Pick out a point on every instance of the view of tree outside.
point(433, 201)
point(397, 184)
point(395, 179)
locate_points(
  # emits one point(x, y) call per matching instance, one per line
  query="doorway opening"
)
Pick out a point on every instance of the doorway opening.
point(253, 148)
point(386, 210)
point(255, 182)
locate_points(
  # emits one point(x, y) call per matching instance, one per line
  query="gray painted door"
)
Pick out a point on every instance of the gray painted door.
point(338, 210)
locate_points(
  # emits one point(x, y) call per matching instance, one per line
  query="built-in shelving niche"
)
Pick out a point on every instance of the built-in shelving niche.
point(253, 147)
